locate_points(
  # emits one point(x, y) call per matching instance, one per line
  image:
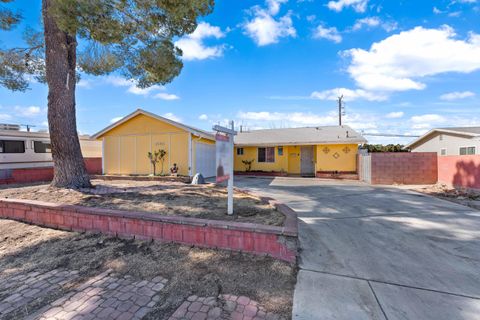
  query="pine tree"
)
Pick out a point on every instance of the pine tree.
point(98, 37)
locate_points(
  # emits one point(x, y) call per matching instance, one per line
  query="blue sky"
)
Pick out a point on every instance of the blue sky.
point(403, 67)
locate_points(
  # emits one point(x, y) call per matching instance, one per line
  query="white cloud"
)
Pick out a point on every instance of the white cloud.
point(84, 83)
point(348, 94)
point(5, 117)
point(331, 34)
point(30, 111)
point(131, 85)
point(203, 117)
point(113, 120)
point(437, 11)
point(265, 29)
point(133, 89)
point(172, 117)
point(357, 5)
point(274, 6)
point(427, 121)
point(456, 95)
point(373, 22)
point(193, 47)
point(399, 62)
point(394, 115)
point(166, 96)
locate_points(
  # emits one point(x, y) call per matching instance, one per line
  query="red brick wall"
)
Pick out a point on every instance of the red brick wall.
point(460, 171)
point(278, 242)
point(94, 166)
point(404, 168)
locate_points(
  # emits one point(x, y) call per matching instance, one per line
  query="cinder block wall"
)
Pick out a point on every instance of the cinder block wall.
point(460, 171)
point(404, 168)
point(27, 175)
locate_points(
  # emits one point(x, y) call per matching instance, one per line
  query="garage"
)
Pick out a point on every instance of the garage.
point(205, 159)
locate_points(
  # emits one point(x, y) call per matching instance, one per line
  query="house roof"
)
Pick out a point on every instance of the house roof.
point(462, 131)
point(299, 136)
point(195, 131)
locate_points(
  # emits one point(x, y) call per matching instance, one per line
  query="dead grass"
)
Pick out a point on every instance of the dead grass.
point(166, 198)
point(465, 197)
point(190, 271)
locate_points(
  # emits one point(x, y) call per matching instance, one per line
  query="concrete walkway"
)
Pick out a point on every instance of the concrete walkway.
point(378, 252)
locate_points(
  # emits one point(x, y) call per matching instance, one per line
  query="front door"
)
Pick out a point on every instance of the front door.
point(307, 167)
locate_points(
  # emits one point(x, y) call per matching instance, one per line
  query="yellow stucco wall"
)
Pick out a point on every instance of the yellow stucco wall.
point(290, 162)
point(341, 157)
point(126, 146)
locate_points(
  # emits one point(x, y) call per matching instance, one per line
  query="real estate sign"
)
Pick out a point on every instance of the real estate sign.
point(224, 157)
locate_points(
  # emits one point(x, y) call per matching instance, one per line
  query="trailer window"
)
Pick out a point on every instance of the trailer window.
point(42, 147)
point(12, 146)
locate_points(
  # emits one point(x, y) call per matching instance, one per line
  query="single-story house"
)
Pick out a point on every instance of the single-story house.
point(126, 143)
point(293, 151)
point(299, 151)
point(449, 141)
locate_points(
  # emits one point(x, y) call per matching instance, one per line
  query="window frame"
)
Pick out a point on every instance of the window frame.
point(2, 147)
point(443, 151)
point(280, 151)
point(466, 150)
point(266, 155)
point(240, 151)
point(44, 143)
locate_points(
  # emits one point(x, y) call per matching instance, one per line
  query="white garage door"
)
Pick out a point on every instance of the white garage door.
point(205, 159)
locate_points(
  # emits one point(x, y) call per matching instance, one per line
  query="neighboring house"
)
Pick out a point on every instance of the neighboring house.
point(127, 142)
point(449, 141)
point(299, 151)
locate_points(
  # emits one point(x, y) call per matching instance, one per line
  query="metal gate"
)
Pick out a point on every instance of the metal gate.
point(365, 168)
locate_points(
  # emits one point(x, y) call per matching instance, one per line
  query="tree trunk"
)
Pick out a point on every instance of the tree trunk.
point(60, 61)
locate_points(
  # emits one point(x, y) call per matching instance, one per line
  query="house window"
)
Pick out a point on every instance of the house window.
point(443, 152)
point(12, 146)
point(467, 151)
point(440, 137)
point(280, 151)
point(42, 147)
point(239, 151)
point(266, 154)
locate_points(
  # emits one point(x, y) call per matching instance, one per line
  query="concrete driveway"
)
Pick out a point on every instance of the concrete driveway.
point(379, 253)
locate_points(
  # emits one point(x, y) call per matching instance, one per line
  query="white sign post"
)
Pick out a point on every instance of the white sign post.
point(224, 159)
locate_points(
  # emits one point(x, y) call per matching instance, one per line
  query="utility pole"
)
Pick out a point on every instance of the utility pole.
point(340, 109)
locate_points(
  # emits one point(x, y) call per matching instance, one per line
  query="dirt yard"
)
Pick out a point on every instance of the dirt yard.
point(190, 271)
point(165, 198)
point(465, 197)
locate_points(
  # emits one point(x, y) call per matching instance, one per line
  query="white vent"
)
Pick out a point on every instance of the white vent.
point(9, 127)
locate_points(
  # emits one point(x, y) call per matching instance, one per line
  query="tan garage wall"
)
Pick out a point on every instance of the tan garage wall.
point(128, 154)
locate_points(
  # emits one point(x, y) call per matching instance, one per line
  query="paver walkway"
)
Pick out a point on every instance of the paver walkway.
point(224, 307)
point(109, 296)
point(105, 296)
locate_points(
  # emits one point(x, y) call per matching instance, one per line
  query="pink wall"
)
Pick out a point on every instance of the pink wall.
point(404, 168)
point(94, 166)
point(459, 171)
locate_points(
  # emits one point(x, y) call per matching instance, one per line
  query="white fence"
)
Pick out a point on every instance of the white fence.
point(365, 168)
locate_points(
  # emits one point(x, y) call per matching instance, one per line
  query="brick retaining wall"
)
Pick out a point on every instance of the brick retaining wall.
point(404, 168)
point(460, 171)
point(40, 174)
point(278, 242)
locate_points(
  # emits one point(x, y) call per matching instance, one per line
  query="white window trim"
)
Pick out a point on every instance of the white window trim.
point(467, 149)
